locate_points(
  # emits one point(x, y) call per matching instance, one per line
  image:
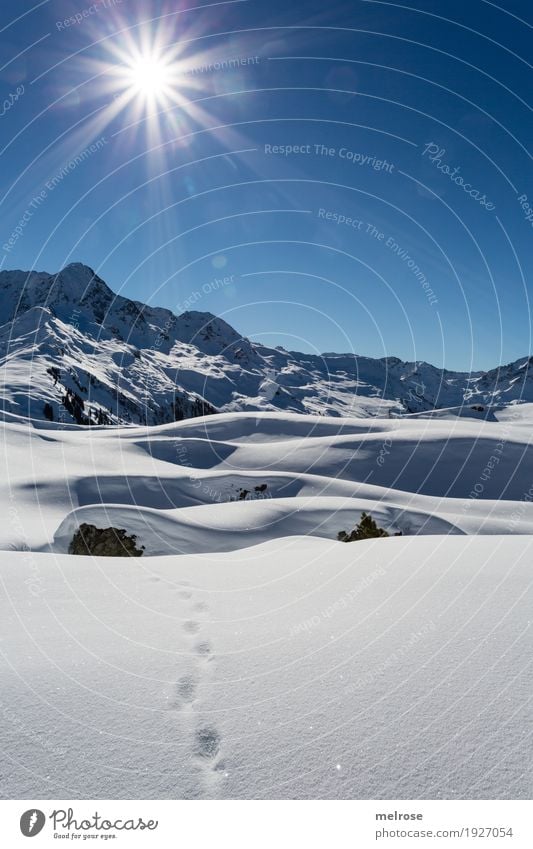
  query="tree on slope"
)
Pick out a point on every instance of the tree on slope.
point(366, 529)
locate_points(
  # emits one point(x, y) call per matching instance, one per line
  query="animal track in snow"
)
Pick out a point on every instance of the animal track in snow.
point(191, 627)
point(207, 742)
point(203, 649)
point(186, 688)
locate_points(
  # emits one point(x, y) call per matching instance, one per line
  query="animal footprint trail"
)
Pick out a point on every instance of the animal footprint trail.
point(205, 738)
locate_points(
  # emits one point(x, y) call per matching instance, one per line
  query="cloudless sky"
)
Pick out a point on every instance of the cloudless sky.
point(359, 241)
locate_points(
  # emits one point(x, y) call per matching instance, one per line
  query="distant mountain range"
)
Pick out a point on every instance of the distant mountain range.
point(73, 351)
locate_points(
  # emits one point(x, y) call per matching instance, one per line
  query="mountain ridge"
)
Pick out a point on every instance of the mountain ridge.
point(72, 350)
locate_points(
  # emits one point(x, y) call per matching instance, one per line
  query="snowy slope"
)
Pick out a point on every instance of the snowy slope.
point(248, 654)
point(73, 350)
point(296, 669)
point(179, 486)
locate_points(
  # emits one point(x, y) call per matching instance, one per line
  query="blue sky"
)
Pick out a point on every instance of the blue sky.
point(327, 177)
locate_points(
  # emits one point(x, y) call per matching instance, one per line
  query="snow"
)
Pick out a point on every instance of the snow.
point(177, 486)
point(248, 654)
point(128, 362)
point(254, 674)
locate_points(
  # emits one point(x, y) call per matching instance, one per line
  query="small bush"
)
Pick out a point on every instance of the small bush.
point(258, 492)
point(106, 542)
point(366, 529)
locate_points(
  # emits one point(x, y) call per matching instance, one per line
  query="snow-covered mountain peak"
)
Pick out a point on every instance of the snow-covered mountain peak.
point(79, 268)
point(72, 350)
point(74, 289)
point(206, 325)
point(78, 281)
point(213, 335)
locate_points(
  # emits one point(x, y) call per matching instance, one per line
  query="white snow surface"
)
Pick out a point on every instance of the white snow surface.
point(299, 668)
point(248, 654)
point(175, 485)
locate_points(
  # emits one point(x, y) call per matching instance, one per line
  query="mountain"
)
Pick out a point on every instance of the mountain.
point(71, 350)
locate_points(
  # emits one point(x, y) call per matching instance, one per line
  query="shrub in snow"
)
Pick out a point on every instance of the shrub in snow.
point(366, 529)
point(107, 542)
point(258, 492)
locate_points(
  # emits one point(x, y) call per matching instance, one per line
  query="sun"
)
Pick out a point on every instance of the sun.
point(143, 73)
point(147, 77)
point(151, 77)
